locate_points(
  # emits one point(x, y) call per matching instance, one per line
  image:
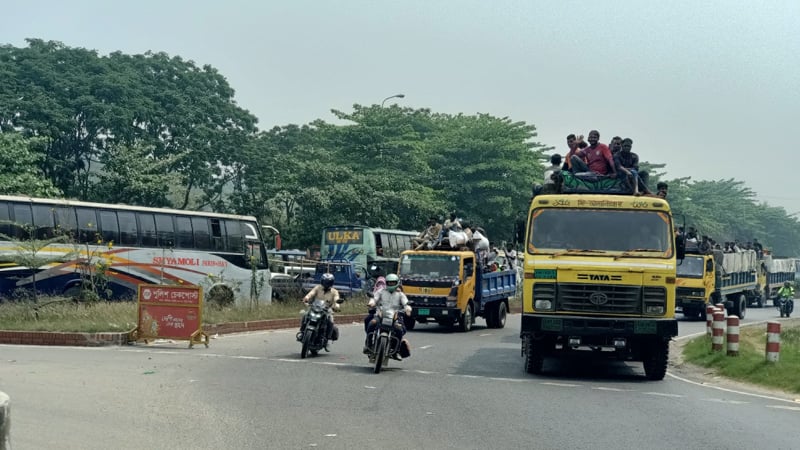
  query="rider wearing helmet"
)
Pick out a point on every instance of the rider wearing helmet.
point(391, 295)
point(323, 291)
point(787, 291)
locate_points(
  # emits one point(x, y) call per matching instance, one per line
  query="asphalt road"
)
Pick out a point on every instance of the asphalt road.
point(456, 391)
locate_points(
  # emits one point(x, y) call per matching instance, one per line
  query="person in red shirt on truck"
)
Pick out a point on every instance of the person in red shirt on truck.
point(598, 158)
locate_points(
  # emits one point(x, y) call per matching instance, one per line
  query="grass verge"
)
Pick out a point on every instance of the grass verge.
point(57, 315)
point(751, 365)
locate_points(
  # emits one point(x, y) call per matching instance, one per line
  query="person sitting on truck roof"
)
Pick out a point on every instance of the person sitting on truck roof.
point(555, 166)
point(598, 158)
point(627, 162)
point(572, 145)
point(429, 235)
point(615, 145)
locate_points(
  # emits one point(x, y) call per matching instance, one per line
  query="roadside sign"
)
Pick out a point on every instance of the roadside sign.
point(170, 312)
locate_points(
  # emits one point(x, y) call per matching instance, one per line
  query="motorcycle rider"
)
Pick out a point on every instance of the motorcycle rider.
point(390, 296)
point(787, 291)
point(326, 292)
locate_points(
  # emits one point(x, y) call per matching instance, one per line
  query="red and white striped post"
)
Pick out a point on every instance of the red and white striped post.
point(709, 318)
point(718, 333)
point(721, 307)
point(773, 341)
point(732, 337)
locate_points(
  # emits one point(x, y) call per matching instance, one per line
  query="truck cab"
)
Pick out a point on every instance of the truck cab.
point(695, 284)
point(450, 288)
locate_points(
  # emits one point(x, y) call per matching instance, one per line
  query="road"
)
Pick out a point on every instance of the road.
point(456, 391)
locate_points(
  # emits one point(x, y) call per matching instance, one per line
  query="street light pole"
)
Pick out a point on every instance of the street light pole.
point(391, 97)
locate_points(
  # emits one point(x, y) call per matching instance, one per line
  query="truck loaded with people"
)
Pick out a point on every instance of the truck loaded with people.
point(452, 278)
point(733, 274)
point(599, 262)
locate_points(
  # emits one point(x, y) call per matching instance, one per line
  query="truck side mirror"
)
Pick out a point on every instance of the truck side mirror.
point(709, 266)
point(680, 246)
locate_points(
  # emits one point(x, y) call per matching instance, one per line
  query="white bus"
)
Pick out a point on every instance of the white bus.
point(222, 253)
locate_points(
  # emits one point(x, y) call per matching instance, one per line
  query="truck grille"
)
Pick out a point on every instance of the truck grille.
point(683, 292)
point(604, 298)
point(425, 301)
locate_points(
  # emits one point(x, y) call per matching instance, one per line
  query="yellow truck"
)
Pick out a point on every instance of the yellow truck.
point(728, 278)
point(599, 277)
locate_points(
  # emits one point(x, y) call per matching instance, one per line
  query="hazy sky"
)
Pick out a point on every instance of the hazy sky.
point(708, 87)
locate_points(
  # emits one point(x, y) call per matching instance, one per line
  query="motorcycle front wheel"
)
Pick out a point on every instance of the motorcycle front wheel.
point(306, 342)
point(383, 342)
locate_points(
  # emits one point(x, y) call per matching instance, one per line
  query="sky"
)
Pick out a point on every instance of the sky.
point(710, 88)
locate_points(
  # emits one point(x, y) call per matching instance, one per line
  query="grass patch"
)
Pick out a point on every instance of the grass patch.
point(751, 365)
point(50, 314)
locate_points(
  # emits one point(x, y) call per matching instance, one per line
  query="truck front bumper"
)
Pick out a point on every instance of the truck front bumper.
point(437, 314)
point(565, 325)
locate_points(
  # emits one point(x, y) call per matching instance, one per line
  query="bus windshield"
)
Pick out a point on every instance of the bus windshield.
point(691, 267)
point(429, 266)
point(600, 231)
point(364, 246)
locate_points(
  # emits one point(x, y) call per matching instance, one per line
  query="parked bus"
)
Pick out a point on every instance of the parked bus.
point(219, 252)
point(365, 246)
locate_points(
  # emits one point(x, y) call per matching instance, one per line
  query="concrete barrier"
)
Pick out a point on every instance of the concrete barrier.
point(709, 319)
point(718, 332)
point(5, 422)
point(773, 341)
point(732, 338)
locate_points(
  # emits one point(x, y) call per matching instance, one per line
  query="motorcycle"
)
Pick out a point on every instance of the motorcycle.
point(314, 332)
point(386, 340)
point(785, 305)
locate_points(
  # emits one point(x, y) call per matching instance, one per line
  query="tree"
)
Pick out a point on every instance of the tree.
point(20, 159)
point(29, 254)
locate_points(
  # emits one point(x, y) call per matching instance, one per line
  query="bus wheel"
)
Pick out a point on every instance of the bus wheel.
point(220, 296)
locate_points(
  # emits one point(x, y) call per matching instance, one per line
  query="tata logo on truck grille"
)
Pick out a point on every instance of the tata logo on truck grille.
point(599, 277)
point(598, 298)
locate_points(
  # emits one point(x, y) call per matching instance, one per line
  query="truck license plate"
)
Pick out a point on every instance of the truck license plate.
point(423, 312)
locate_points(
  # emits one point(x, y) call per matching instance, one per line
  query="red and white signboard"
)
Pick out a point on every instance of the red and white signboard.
point(170, 312)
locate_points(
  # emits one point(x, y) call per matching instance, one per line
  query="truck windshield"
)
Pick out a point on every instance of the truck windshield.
point(429, 266)
point(691, 267)
point(598, 232)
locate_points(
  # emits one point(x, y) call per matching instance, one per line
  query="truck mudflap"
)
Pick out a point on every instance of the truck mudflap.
point(564, 325)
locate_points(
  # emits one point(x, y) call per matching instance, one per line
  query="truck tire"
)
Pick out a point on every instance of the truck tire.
point(490, 314)
point(534, 356)
point(500, 315)
point(655, 360)
point(739, 306)
point(465, 321)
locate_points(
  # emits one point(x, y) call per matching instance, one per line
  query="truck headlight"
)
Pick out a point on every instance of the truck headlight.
point(544, 305)
point(655, 310)
point(450, 304)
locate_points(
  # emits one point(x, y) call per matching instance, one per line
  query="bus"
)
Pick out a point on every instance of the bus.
point(222, 253)
point(365, 247)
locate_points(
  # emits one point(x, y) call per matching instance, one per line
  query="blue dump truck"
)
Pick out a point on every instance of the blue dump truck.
point(451, 288)
point(346, 280)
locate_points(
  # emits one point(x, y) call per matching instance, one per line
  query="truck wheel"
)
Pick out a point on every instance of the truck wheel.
point(465, 322)
point(739, 306)
point(655, 360)
point(490, 314)
point(534, 356)
point(500, 318)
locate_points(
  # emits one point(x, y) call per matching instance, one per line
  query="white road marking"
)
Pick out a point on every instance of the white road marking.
point(549, 383)
point(722, 400)
point(790, 408)
point(664, 394)
point(425, 347)
point(515, 380)
point(603, 388)
point(485, 334)
point(732, 391)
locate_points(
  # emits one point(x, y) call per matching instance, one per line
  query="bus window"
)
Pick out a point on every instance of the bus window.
point(5, 219)
point(43, 222)
point(166, 231)
point(147, 229)
point(217, 235)
point(183, 232)
point(23, 220)
point(234, 235)
point(379, 243)
point(109, 228)
point(202, 239)
point(87, 225)
point(66, 221)
point(127, 228)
